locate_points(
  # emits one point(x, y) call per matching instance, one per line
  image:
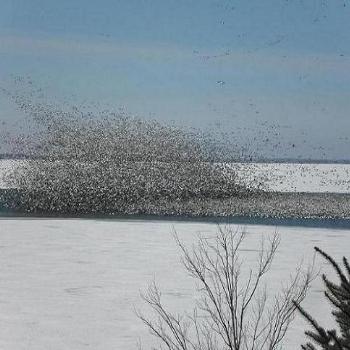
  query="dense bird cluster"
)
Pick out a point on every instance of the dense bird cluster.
point(85, 160)
point(78, 162)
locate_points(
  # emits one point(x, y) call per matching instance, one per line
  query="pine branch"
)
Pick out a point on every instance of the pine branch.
point(333, 263)
point(311, 320)
point(339, 296)
point(346, 264)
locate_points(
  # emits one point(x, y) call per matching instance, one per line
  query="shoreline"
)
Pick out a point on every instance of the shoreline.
point(339, 224)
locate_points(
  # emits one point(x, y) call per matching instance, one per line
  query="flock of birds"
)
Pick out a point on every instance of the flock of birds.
point(83, 162)
point(79, 162)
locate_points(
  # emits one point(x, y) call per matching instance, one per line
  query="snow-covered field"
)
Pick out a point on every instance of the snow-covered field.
point(293, 177)
point(5, 166)
point(74, 284)
point(285, 177)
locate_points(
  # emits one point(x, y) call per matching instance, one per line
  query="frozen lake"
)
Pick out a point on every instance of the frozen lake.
point(294, 177)
point(74, 283)
point(284, 177)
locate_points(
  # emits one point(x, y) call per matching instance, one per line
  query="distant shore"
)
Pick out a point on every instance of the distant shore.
point(10, 156)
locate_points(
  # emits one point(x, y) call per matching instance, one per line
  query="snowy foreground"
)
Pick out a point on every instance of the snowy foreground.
point(74, 284)
point(284, 177)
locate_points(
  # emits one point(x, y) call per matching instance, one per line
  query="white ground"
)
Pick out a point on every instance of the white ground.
point(276, 177)
point(5, 166)
point(289, 177)
point(73, 284)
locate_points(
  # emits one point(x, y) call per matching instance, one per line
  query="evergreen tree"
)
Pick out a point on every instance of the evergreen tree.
point(339, 296)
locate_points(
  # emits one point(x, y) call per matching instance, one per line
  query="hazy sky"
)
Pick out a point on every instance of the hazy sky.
point(200, 62)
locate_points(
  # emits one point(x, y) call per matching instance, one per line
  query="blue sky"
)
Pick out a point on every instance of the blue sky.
point(235, 63)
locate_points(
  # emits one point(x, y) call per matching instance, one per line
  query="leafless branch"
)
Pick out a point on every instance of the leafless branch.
point(234, 311)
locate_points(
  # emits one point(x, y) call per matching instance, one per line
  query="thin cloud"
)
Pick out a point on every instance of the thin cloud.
point(16, 44)
point(269, 60)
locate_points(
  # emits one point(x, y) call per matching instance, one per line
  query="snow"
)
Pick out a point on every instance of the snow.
point(284, 177)
point(295, 177)
point(74, 283)
point(5, 166)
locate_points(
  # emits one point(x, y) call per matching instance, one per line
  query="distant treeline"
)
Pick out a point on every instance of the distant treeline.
point(299, 161)
point(257, 160)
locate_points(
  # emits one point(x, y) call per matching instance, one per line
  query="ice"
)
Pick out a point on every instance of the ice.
point(74, 283)
point(295, 177)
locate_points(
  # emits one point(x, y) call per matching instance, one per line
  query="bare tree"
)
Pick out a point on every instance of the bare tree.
point(235, 310)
